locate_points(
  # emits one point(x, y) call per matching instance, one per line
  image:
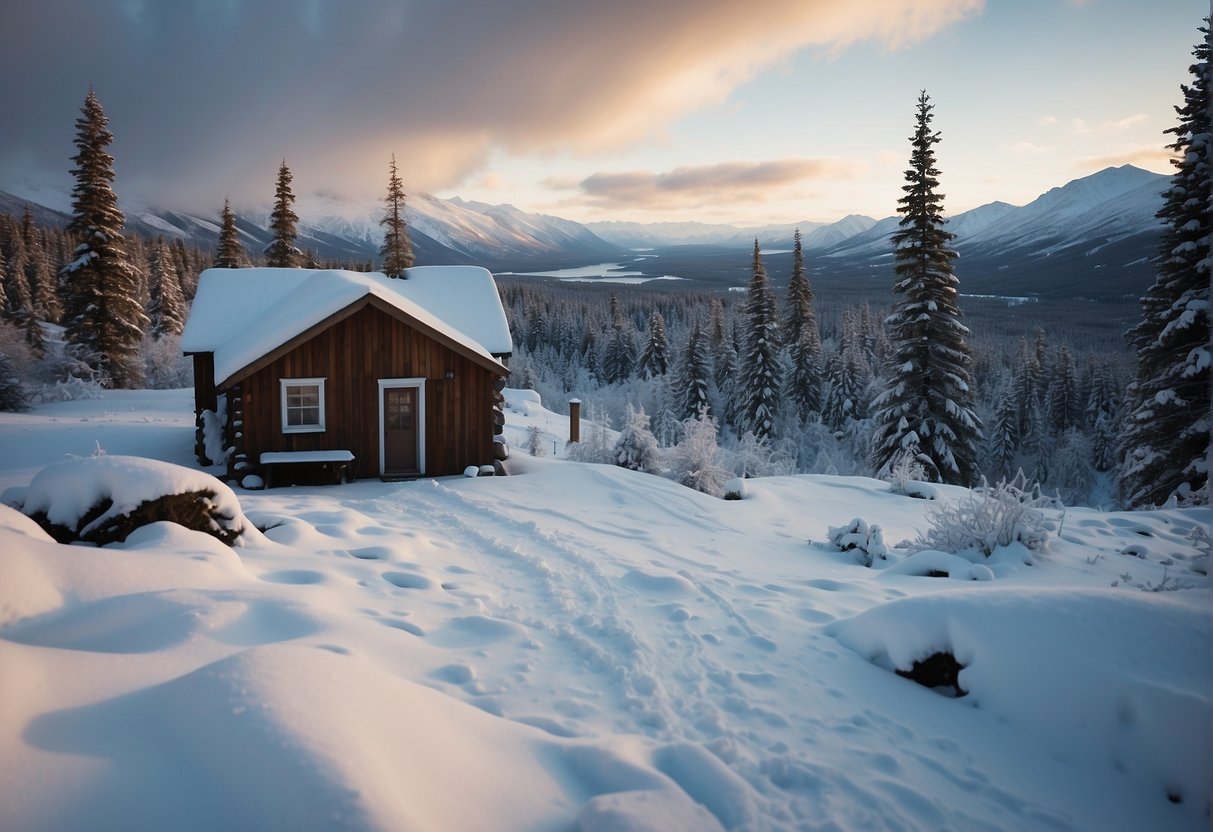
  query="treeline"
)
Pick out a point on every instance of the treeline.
point(1050, 408)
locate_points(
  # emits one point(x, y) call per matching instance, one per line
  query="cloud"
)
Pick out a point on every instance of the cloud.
point(704, 184)
point(1143, 156)
point(205, 97)
point(1026, 148)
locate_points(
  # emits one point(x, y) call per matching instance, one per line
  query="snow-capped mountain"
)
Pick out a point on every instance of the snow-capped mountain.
point(1097, 231)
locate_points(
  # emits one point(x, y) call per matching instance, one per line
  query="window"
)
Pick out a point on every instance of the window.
point(302, 405)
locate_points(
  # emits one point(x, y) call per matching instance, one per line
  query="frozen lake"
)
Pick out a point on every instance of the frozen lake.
point(599, 273)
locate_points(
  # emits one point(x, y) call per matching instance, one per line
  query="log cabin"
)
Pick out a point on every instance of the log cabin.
point(402, 375)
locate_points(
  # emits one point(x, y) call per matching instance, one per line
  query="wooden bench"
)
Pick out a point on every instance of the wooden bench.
point(339, 463)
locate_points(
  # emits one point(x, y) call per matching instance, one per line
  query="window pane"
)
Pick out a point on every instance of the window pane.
point(303, 405)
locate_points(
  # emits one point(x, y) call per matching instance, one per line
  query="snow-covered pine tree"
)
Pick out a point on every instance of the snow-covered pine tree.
point(284, 222)
point(636, 447)
point(801, 312)
point(397, 251)
point(1004, 436)
point(620, 354)
point(655, 359)
point(724, 361)
point(41, 278)
point(13, 397)
point(761, 373)
point(1026, 384)
point(103, 317)
point(167, 307)
point(229, 254)
point(691, 386)
point(803, 339)
point(930, 397)
point(696, 459)
point(17, 291)
point(1064, 406)
point(1166, 440)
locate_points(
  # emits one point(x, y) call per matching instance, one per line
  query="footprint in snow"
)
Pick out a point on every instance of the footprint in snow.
point(408, 580)
point(294, 576)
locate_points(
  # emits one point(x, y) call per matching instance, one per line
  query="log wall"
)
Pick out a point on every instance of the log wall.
point(352, 355)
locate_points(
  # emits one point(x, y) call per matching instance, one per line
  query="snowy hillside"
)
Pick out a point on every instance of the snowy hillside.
point(586, 647)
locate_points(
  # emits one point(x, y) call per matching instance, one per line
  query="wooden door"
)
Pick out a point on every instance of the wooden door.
point(400, 430)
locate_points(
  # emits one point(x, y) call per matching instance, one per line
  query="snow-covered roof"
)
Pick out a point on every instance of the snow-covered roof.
point(243, 314)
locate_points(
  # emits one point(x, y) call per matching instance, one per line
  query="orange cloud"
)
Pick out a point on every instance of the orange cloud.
point(1149, 157)
point(337, 87)
point(728, 181)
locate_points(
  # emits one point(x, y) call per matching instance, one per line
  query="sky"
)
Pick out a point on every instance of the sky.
point(644, 110)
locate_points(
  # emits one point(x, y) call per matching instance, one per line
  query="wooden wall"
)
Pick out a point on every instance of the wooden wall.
point(353, 355)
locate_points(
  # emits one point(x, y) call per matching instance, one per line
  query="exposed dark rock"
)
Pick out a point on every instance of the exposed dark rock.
point(938, 670)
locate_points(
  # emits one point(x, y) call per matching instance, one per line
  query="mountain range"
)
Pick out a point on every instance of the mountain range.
point(1094, 236)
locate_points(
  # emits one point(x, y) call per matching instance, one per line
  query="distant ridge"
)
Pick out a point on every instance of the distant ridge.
point(1096, 232)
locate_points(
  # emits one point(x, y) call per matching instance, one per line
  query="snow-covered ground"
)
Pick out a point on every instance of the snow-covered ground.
point(583, 647)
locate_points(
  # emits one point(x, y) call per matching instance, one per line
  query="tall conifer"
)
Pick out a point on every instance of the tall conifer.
point(929, 402)
point(103, 318)
point(803, 339)
point(1166, 441)
point(229, 254)
point(397, 251)
point(282, 252)
point(761, 374)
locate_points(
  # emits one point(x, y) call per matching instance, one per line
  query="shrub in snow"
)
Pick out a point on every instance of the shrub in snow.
point(990, 518)
point(535, 442)
point(102, 499)
point(905, 476)
point(867, 541)
point(696, 459)
point(164, 366)
point(13, 397)
point(735, 489)
point(636, 447)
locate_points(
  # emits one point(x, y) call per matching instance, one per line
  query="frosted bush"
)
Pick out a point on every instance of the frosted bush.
point(905, 476)
point(866, 541)
point(696, 459)
point(990, 518)
point(636, 447)
point(69, 390)
point(534, 441)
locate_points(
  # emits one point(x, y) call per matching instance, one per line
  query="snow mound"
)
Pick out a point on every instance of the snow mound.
point(69, 493)
point(1118, 689)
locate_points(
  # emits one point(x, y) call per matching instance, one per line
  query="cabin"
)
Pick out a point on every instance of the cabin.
point(369, 375)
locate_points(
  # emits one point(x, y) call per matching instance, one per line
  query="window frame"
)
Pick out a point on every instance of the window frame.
point(283, 385)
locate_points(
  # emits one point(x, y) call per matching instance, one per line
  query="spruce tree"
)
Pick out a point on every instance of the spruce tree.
point(1166, 440)
point(691, 387)
point(44, 293)
point(1062, 402)
point(801, 313)
point(929, 402)
point(397, 251)
point(724, 361)
point(167, 306)
point(281, 252)
point(655, 359)
point(620, 354)
point(803, 339)
point(104, 320)
point(13, 396)
point(229, 254)
point(17, 291)
point(636, 447)
point(761, 373)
